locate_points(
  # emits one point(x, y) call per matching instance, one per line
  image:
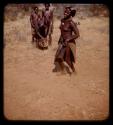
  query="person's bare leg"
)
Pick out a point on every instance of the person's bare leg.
point(62, 67)
point(37, 45)
point(72, 67)
point(32, 39)
point(50, 40)
point(68, 58)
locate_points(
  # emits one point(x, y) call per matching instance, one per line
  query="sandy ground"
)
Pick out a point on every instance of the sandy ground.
point(33, 92)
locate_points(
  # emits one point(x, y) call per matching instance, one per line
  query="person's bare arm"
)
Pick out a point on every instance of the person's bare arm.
point(75, 30)
point(51, 23)
point(39, 34)
point(37, 30)
point(31, 20)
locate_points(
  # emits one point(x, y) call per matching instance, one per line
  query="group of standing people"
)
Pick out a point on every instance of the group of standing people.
point(42, 28)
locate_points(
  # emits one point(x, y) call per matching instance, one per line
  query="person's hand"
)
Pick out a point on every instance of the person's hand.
point(65, 43)
point(52, 29)
point(42, 38)
point(49, 32)
point(32, 25)
point(67, 40)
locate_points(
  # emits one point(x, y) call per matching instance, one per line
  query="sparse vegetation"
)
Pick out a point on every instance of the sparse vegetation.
point(17, 11)
point(33, 92)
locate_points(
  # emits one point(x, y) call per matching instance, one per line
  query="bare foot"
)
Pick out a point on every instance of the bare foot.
point(63, 72)
point(74, 72)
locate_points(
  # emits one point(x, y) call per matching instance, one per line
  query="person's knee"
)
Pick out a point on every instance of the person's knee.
point(59, 60)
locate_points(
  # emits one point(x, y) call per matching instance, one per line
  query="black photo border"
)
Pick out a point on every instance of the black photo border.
point(3, 120)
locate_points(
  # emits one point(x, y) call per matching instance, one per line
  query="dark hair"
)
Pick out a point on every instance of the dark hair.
point(47, 4)
point(73, 12)
point(35, 7)
point(68, 7)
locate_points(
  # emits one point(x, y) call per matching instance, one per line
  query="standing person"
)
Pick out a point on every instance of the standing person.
point(67, 46)
point(42, 40)
point(48, 18)
point(33, 21)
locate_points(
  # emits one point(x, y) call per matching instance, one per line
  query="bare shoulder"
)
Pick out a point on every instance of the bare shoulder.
point(43, 9)
point(32, 14)
point(73, 24)
point(52, 9)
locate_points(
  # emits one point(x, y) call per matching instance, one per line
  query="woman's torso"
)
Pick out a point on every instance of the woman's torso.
point(47, 16)
point(34, 17)
point(66, 29)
